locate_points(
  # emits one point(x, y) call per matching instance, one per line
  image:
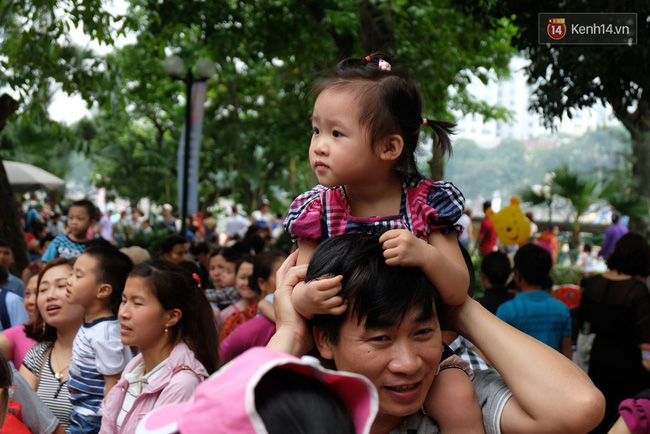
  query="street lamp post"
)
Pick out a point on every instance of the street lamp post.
point(174, 67)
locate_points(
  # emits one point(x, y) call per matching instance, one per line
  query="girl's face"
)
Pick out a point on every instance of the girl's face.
point(340, 152)
point(224, 272)
point(51, 299)
point(142, 317)
point(241, 282)
point(30, 296)
point(214, 270)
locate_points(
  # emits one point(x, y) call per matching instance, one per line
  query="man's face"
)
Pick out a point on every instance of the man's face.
point(6, 257)
point(401, 361)
point(177, 254)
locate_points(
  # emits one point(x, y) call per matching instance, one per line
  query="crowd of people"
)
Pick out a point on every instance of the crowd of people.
point(369, 326)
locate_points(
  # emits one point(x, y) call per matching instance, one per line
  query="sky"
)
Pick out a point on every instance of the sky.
point(70, 108)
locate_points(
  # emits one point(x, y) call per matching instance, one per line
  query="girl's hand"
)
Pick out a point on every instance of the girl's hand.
point(319, 296)
point(403, 248)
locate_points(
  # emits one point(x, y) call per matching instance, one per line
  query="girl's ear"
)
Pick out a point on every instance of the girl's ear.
point(391, 148)
point(173, 317)
point(323, 344)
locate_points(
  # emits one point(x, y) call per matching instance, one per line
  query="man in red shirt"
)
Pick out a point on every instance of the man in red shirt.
point(487, 235)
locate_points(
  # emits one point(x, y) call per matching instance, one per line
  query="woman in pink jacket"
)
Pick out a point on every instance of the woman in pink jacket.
point(166, 315)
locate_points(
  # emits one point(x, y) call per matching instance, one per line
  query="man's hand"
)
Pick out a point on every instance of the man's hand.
point(292, 334)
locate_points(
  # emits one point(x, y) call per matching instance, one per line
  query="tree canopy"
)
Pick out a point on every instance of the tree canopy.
point(268, 55)
point(571, 77)
point(600, 154)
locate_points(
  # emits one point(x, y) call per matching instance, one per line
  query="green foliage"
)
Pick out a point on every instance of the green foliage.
point(580, 191)
point(150, 241)
point(571, 77)
point(37, 48)
point(512, 165)
point(268, 54)
point(563, 275)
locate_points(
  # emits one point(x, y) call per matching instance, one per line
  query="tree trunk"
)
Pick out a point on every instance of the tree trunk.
point(641, 174)
point(8, 107)
point(436, 164)
point(10, 228)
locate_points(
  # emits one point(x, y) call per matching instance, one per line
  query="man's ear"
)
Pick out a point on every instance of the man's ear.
point(391, 148)
point(323, 344)
point(105, 291)
point(174, 316)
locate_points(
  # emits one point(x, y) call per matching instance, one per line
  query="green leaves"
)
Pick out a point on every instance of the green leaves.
point(268, 54)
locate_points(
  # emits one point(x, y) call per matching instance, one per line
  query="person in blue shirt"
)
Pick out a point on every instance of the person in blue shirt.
point(533, 310)
point(13, 283)
point(81, 216)
point(12, 307)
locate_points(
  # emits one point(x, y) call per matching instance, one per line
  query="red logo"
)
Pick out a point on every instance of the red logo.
point(556, 28)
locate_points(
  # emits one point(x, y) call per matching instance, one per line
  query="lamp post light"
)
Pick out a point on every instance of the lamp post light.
point(174, 67)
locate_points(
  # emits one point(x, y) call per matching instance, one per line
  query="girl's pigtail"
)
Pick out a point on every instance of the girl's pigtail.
point(443, 131)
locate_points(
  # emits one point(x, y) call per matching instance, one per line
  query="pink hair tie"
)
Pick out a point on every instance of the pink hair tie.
point(383, 65)
point(368, 58)
point(424, 121)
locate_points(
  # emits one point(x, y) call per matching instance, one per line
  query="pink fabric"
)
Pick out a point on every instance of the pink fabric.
point(181, 375)
point(254, 333)
point(226, 402)
point(20, 343)
point(636, 414)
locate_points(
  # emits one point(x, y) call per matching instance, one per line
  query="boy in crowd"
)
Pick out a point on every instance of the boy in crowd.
point(81, 216)
point(98, 355)
point(533, 310)
point(12, 308)
point(13, 283)
point(495, 272)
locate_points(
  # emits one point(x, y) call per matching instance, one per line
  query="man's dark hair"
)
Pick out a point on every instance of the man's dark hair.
point(231, 255)
point(168, 243)
point(534, 264)
point(615, 217)
point(198, 248)
point(378, 295)
point(496, 267)
point(112, 268)
point(5, 243)
point(88, 205)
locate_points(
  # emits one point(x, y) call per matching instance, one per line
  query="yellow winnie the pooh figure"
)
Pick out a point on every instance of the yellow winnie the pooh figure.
point(511, 224)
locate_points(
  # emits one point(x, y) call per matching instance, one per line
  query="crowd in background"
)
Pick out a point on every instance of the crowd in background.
point(234, 266)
